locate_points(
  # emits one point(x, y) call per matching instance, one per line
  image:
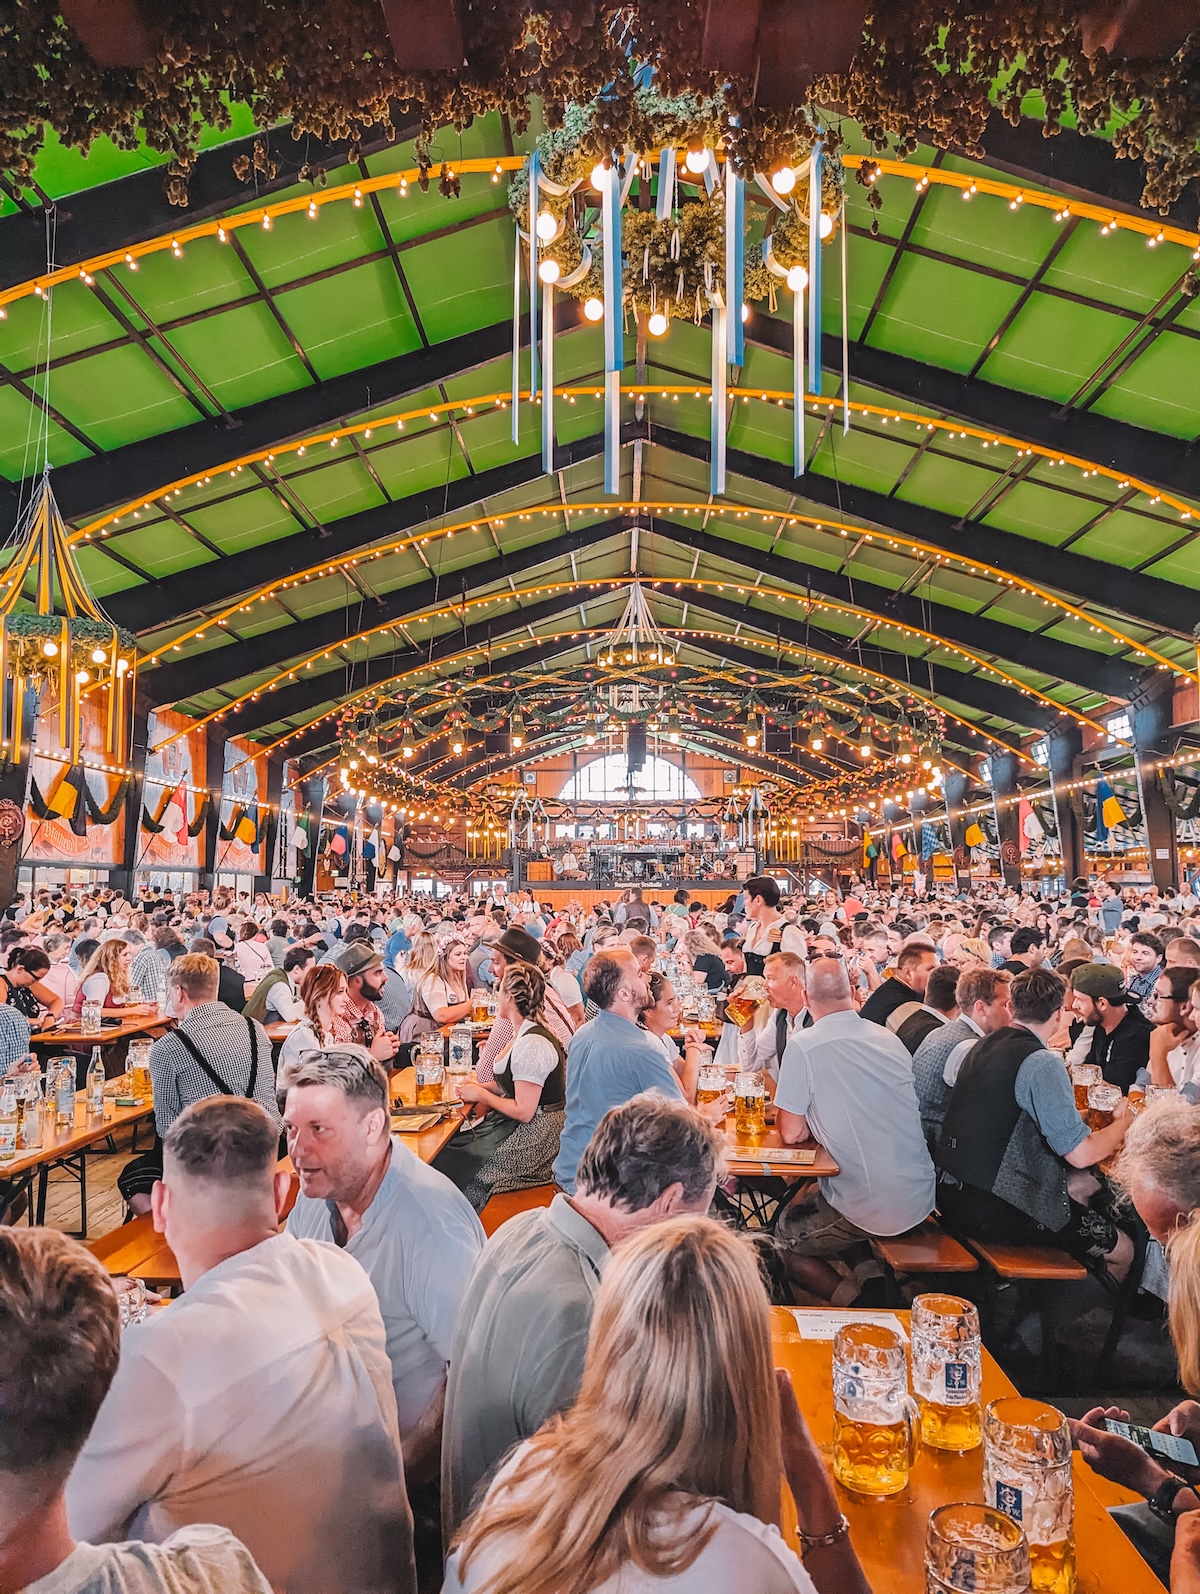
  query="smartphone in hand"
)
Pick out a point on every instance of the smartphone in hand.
point(1167, 1447)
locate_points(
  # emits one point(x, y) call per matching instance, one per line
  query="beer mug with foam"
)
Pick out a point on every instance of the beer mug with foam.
point(1027, 1475)
point(947, 1371)
point(875, 1419)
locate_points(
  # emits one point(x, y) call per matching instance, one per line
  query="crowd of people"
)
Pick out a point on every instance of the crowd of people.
point(367, 1396)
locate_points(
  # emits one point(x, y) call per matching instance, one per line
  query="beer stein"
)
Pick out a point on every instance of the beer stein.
point(750, 1104)
point(710, 1084)
point(742, 1003)
point(876, 1423)
point(972, 1549)
point(138, 1066)
point(479, 1006)
point(1101, 1101)
point(431, 1073)
point(947, 1371)
point(90, 1018)
point(1083, 1077)
point(1027, 1475)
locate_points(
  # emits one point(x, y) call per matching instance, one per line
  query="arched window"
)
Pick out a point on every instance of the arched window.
point(608, 780)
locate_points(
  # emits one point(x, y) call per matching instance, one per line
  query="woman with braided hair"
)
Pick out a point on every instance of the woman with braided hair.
point(515, 1138)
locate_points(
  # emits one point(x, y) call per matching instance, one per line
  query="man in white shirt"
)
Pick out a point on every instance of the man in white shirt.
point(262, 1399)
point(60, 1339)
point(416, 1235)
point(766, 1033)
point(849, 1083)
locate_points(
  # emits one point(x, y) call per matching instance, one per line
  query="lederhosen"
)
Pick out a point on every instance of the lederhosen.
point(203, 1063)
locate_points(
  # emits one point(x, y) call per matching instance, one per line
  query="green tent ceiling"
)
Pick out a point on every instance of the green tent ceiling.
point(1040, 328)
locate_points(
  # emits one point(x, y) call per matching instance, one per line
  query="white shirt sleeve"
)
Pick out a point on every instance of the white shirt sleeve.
point(133, 1451)
point(756, 1047)
point(794, 940)
point(567, 986)
point(532, 1059)
point(956, 1059)
point(283, 1000)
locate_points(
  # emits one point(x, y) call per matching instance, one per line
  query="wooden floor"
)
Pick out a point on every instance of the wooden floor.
point(106, 1209)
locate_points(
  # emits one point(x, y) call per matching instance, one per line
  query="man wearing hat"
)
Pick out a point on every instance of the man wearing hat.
point(1120, 1034)
point(362, 964)
point(518, 946)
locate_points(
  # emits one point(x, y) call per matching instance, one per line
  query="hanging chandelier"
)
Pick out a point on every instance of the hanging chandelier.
point(636, 638)
point(66, 643)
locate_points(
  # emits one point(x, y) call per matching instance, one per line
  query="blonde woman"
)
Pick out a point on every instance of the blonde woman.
point(696, 1432)
point(1159, 1169)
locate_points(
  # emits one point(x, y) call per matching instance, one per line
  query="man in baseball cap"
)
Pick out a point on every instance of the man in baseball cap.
point(1120, 1034)
point(362, 964)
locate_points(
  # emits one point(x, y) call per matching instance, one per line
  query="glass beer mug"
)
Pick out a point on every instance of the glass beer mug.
point(710, 1084)
point(750, 1104)
point(742, 1003)
point(1027, 1475)
point(972, 1549)
point(1083, 1077)
point(947, 1371)
point(137, 1065)
point(876, 1423)
point(1102, 1100)
point(431, 1074)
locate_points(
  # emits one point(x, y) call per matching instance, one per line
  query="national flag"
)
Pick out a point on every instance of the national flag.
point(1108, 808)
point(870, 850)
point(899, 850)
point(246, 831)
point(974, 836)
point(929, 842)
point(65, 797)
point(174, 817)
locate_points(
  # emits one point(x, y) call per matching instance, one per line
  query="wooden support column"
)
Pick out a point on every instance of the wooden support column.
point(14, 786)
point(270, 833)
point(955, 788)
point(1153, 741)
point(1005, 796)
point(123, 877)
point(311, 795)
point(214, 780)
point(1064, 746)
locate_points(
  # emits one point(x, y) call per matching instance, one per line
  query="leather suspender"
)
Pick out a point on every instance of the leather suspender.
point(226, 1090)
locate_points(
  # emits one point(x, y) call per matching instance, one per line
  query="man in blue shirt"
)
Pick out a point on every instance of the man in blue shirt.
point(610, 1059)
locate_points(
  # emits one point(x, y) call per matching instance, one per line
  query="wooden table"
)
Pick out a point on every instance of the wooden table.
point(137, 1251)
point(752, 1155)
point(279, 1031)
point(135, 1024)
point(67, 1148)
point(889, 1535)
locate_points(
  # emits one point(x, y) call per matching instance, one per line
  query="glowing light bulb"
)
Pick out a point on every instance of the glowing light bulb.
point(547, 226)
point(745, 314)
point(657, 324)
point(83, 677)
point(825, 225)
point(122, 666)
point(593, 309)
point(696, 161)
point(599, 175)
point(549, 271)
point(98, 655)
point(783, 180)
point(50, 649)
point(797, 279)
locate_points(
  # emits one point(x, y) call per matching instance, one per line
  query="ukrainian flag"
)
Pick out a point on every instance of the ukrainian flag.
point(1109, 812)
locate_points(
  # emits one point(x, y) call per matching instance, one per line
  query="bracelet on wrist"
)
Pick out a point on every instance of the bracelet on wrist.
point(820, 1541)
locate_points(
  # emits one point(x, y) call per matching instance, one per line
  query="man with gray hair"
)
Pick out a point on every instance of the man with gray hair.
point(261, 1400)
point(523, 1327)
point(849, 1083)
point(413, 1231)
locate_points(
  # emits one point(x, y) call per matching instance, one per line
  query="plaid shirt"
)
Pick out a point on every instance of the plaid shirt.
point(223, 1039)
point(148, 971)
point(1141, 986)
point(14, 1037)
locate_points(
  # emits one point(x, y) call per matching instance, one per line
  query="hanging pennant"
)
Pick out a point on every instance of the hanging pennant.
point(845, 334)
point(535, 167)
point(569, 281)
point(720, 377)
point(666, 183)
point(796, 278)
point(735, 228)
point(816, 167)
point(516, 340)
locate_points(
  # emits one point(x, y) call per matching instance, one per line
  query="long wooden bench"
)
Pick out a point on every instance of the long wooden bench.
point(925, 1249)
point(137, 1251)
point(500, 1208)
point(1029, 1263)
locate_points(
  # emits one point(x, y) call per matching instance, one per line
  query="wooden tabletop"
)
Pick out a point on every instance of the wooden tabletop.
point(134, 1024)
point(136, 1250)
point(889, 1535)
point(758, 1154)
point(85, 1131)
point(278, 1032)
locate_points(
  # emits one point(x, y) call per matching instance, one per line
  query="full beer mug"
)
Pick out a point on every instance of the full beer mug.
point(1083, 1077)
point(430, 1071)
point(1027, 1475)
point(742, 1003)
point(947, 1371)
point(972, 1549)
point(750, 1104)
point(710, 1084)
point(875, 1420)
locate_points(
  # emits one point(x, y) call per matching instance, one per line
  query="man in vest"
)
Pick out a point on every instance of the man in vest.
point(1012, 1134)
point(914, 1020)
point(983, 1006)
point(767, 1032)
point(915, 962)
point(276, 997)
